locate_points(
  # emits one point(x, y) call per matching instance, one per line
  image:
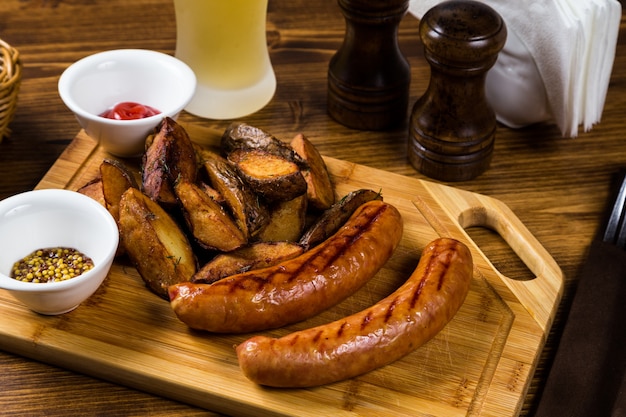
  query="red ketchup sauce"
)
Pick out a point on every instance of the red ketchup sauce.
point(129, 110)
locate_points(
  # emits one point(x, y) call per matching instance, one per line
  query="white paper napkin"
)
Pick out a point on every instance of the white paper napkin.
point(556, 63)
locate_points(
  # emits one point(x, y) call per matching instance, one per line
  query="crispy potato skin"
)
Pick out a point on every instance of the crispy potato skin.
point(335, 216)
point(169, 157)
point(320, 190)
point(116, 179)
point(247, 209)
point(216, 204)
point(254, 256)
point(243, 136)
point(154, 242)
point(299, 288)
point(287, 221)
point(271, 176)
point(208, 222)
point(374, 337)
point(93, 189)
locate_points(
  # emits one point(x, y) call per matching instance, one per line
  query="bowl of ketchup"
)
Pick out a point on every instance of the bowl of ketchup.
point(120, 96)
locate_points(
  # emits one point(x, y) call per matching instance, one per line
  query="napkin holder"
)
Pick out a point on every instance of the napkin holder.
point(556, 64)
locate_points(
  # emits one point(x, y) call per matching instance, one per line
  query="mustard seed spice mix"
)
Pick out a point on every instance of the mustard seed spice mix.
point(51, 265)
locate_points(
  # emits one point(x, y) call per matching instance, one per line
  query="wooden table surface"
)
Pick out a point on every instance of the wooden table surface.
point(557, 186)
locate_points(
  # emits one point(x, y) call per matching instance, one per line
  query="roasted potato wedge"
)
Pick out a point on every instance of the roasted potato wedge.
point(213, 193)
point(155, 181)
point(287, 221)
point(245, 206)
point(333, 218)
point(271, 176)
point(249, 201)
point(154, 243)
point(170, 156)
point(243, 136)
point(93, 189)
point(116, 179)
point(208, 222)
point(320, 188)
point(255, 256)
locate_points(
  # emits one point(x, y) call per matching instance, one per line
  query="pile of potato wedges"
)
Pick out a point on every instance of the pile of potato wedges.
point(199, 214)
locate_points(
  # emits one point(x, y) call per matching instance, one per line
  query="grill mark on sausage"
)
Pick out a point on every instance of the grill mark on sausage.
point(272, 342)
point(442, 273)
point(417, 292)
point(293, 340)
point(341, 328)
point(351, 238)
point(445, 263)
point(392, 307)
point(427, 272)
point(234, 285)
point(366, 320)
point(318, 336)
point(336, 250)
point(303, 266)
point(439, 260)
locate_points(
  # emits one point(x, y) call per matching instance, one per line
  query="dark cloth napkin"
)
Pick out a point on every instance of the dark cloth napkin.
point(587, 377)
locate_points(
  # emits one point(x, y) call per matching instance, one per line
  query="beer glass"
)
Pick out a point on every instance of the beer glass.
point(224, 43)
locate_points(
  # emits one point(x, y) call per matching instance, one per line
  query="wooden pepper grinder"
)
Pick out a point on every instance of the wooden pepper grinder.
point(452, 126)
point(368, 77)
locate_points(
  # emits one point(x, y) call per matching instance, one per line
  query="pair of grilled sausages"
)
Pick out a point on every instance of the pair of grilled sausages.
point(320, 278)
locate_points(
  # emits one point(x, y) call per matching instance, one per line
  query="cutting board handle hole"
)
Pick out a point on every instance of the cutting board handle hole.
point(482, 229)
point(499, 253)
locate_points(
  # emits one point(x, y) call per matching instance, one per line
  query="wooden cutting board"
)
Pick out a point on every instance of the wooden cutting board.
point(479, 365)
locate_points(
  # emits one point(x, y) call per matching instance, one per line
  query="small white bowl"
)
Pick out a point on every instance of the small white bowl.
point(51, 218)
point(96, 83)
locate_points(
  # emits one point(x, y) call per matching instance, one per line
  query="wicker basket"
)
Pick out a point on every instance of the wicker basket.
point(10, 79)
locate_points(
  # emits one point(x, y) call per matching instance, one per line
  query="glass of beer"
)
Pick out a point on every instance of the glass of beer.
point(224, 43)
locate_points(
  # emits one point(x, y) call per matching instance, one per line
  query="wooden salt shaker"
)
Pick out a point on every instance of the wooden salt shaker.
point(452, 126)
point(368, 77)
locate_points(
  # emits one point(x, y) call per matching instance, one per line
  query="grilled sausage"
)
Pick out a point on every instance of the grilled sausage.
point(374, 337)
point(298, 288)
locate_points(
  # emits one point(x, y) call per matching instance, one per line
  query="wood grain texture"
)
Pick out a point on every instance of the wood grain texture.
point(557, 187)
point(480, 364)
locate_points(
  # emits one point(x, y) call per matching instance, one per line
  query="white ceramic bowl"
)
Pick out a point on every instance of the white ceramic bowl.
point(96, 83)
point(51, 218)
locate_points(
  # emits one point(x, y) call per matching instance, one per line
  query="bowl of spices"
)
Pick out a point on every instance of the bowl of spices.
point(120, 96)
point(57, 248)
